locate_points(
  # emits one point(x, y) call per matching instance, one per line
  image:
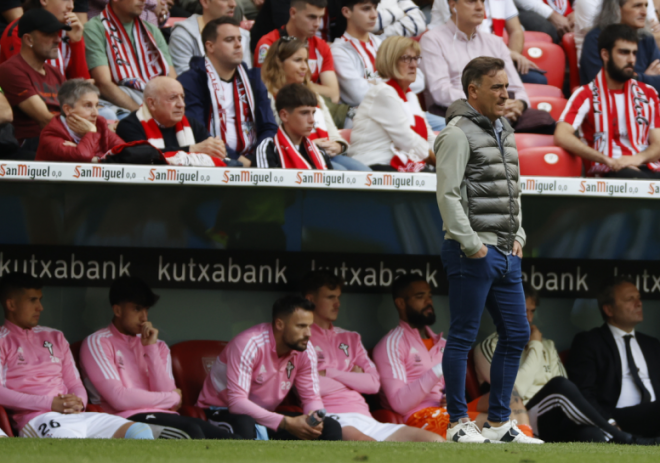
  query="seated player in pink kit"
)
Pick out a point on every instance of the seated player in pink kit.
point(409, 358)
point(129, 369)
point(39, 383)
point(345, 370)
point(256, 371)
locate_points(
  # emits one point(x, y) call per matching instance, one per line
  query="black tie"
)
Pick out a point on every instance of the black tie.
point(646, 395)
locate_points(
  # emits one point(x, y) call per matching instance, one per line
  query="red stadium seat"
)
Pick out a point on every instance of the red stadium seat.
point(550, 58)
point(5, 424)
point(537, 37)
point(94, 408)
point(387, 416)
point(568, 43)
point(555, 106)
point(191, 363)
point(345, 134)
point(543, 90)
point(472, 390)
point(172, 21)
point(533, 140)
point(550, 161)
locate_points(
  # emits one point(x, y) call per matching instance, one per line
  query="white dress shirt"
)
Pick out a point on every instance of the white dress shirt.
point(630, 395)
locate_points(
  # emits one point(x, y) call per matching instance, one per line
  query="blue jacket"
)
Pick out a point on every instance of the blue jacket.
point(198, 100)
point(591, 64)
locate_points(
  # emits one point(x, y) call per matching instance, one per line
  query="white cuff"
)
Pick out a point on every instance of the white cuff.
point(438, 370)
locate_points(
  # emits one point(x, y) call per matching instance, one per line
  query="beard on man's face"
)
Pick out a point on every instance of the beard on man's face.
point(418, 318)
point(299, 345)
point(620, 74)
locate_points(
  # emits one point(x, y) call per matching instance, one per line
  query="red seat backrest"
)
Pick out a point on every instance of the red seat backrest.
point(532, 140)
point(549, 161)
point(555, 106)
point(550, 58)
point(537, 37)
point(542, 90)
point(568, 44)
point(5, 424)
point(191, 363)
point(471, 382)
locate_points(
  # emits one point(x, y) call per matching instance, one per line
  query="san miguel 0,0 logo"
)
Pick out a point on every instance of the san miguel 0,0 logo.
point(601, 186)
point(105, 173)
point(173, 175)
point(246, 176)
point(323, 178)
point(22, 170)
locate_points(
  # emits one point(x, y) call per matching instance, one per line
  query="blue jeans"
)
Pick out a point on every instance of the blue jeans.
point(343, 162)
point(534, 77)
point(494, 281)
point(437, 123)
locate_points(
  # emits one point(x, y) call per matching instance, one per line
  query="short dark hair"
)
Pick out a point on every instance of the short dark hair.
point(210, 31)
point(31, 5)
point(293, 96)
point(531, 292)
point(132, 289)
point(313, 281)
point(351, 3)
point(15, 282)
point(614, 32)
point(297, 4)
point(477, 68)
point(285, 306)
point(606, 294)
point(403, 282)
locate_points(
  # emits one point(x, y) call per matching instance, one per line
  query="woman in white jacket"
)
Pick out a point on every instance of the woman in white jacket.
point(390, 132)
point(286, 63)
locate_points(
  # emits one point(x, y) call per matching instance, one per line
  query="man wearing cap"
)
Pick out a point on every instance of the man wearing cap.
point(29, 82)
point(129, 370)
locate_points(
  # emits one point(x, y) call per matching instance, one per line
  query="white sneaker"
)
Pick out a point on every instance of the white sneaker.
point(508, 432)
point(466, 433)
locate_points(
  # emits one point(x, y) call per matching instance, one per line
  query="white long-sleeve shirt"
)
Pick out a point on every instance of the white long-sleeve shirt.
point(400, 17)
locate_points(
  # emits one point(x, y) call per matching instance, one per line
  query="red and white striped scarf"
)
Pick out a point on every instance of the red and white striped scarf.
point(639, 113)
point(184, 137)
point(320, 127)
point(290, 157)
point(130, 67)
point(63, 55)
point(497, 10)
point(563, 7)
point(406, 162)
point(367, 53)
point(246, 132)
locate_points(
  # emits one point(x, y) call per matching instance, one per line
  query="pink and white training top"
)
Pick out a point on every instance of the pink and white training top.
point(408, 380)
point(250, 379)
point(35, 366)
point(125, 377)
point(338, 351)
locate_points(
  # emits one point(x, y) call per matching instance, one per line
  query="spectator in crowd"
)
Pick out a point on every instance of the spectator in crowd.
point(161, 120)
point(10, 11)
point(186, 38)
point(130, 369)
point(345, 370)
point(409, 358)
point(223, 93)
point(28, 81)
point(559, 412)
point(617, 145)
point(155, 11)
point(306, 16)
point(70, 61)
point(448, 48)
point(125, 52)
point(354, 53)
point(286, 63)
point(482, 251)
point(631, 13)
point(554, 17)
point(588, 11)
point(617, 368)
point(79, 134)
point(500, 15)
point(390, 131)
point(41, 386)
point(291, 147)
point(399, 17)
point(256, 371)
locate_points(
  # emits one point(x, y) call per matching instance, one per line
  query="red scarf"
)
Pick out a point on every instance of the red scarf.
point(290, 157)
point(131, 68)
point(63, 55)
point(367, 53)
point(563, 7)
point(246, 133)
point(639, 113)
point(402, 161)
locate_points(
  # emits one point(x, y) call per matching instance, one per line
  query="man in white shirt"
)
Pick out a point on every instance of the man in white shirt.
point(617, 368)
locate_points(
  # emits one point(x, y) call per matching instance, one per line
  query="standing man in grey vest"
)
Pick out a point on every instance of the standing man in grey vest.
point(479, 200)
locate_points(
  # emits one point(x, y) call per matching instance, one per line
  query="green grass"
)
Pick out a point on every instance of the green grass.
point(98, 451)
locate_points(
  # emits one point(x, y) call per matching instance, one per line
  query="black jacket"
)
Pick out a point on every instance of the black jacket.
point(594, 365)
point(130, 129)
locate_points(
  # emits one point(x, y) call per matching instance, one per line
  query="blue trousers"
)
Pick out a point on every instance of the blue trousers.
point(534, 77)
point(494, 282)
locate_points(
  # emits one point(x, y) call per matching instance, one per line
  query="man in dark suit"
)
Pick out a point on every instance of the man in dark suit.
point(616, 368)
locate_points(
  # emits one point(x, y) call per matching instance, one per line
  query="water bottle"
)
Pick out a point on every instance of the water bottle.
point(317, 417)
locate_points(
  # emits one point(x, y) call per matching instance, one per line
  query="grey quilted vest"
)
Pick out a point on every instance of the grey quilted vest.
point(491, 175)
